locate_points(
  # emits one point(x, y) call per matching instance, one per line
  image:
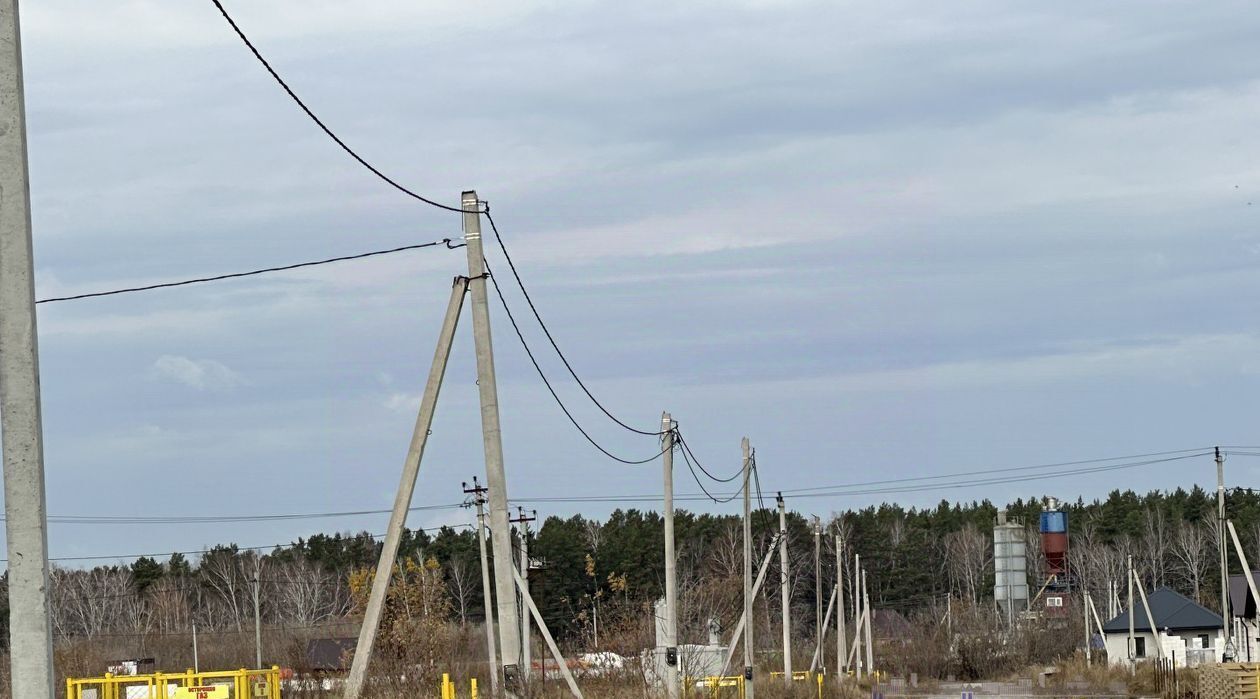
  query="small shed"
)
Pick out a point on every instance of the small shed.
point(330, 656)
point(1183, 627)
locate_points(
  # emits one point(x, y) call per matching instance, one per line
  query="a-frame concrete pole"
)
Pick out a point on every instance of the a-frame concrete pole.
point(492, 444)
point(26, 525)
point(402, 501)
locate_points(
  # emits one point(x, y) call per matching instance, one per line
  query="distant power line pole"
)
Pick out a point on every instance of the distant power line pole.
point(841, 642)
point(479, 500)
point(523, 521)
point(26, 524)
point(818, 604)
point(785, 593)
point(749, 658)
point(1224, 555)
point(672, 682)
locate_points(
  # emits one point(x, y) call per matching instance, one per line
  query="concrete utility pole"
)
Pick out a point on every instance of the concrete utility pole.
point(479, 499)
point(818, 605)
point(257, 612)
point(526, 663)
point(748, 565)
point(196, 663)
point(1223, 549)
point(785, 593)
point(841, 651)
point(402, 500)
point(870, 621)
point(858, 665)
point(673, 683)
point(1133, 644)
point(26, 521)
point(492, 444)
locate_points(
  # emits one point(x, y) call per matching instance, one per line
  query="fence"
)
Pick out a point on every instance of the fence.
point(231, 684)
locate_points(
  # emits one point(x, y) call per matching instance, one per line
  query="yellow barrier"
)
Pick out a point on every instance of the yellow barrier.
point(797, 676)
point(230, 684)
point(447, 688)
point(716, 685)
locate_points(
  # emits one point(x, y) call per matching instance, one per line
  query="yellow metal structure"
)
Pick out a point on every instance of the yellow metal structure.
point(447, 688)
point(230, 684)
point(732, 686)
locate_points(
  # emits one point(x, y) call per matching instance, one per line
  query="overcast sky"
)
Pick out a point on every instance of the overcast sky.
point(883, 240)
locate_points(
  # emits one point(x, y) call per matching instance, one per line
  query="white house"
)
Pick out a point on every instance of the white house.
point(1185, 631)
point(1243, 616)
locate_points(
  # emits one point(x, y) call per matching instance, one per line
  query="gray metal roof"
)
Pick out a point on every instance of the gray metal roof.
point(1171, 609)
point(1240, 602)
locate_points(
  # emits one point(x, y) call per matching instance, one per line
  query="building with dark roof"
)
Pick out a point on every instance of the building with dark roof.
point(1184, 629)
point(1242, 607)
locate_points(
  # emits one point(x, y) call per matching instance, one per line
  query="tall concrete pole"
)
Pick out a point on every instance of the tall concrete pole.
point(479, 499)
point(842, 652)
point(1221, 537)
point(673, 683)
point(748, 566)
point(26, 522)
point(402, 499)
point(870, 622)
point(257, 612)
point(818, 605)
point(857, 612)
point(785, 593)
point(1132, 614)
point(492, 444)
point(526, 662)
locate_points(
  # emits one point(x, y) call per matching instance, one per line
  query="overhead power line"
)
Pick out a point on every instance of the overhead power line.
point(266, 270)
point(551, 389)
point(224, 519)
point(550, 338)
point(320, 123)
point(197, 552)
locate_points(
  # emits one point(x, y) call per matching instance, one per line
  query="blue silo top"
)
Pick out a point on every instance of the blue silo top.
point(1054, 522)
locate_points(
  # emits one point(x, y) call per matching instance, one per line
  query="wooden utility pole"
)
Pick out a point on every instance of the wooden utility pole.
point(748, 565)
point(406, 487)
point(785, 593)
point(492, 444)
point(479, 500)
point(26, 520)
point(673, 683)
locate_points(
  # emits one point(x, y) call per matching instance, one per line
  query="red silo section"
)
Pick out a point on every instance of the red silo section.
point(1055, 546)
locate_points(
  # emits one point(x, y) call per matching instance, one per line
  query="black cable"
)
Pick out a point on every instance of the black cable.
point(221, 519)
point(320, 123)
point(551, 389)
point(552, 340)
point(1000, 470)
point(696, 477)
point(687, 449)
point(232, 547)
point(237, 275)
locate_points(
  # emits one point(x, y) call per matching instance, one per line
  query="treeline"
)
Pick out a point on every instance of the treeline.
point(597, 575)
